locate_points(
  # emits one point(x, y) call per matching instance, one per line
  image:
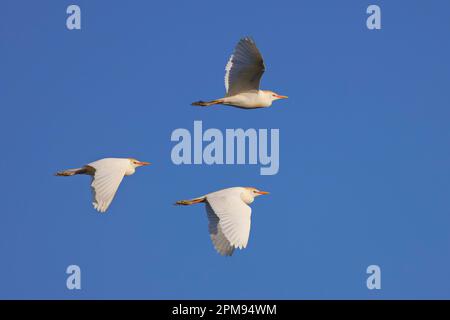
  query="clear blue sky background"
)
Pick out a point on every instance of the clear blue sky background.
point(364, 165)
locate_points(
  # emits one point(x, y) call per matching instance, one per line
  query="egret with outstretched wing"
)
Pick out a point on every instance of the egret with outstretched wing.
point(228, 213)
point(107, 174)
point(243, 74)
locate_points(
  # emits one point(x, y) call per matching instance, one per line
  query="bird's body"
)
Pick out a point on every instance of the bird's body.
point(250, 100)
point(107, 174)
point(119, 164)
point(228, 214)
point(243, 74)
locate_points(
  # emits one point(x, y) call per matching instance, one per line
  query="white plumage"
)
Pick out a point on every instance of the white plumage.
point(106, 180)
point(229, 214)
point(243, 73)
point(107, 174)
point(227, 72)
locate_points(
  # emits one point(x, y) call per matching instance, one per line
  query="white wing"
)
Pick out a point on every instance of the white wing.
point(219, 240)
point(229, 220)
point(106, 180)
point(244, 69)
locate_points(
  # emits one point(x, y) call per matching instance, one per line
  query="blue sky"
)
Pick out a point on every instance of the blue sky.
point(364, 160)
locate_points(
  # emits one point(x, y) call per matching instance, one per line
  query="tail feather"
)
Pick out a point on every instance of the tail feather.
point(206, 103)
point(71, 172)
point(190, 201)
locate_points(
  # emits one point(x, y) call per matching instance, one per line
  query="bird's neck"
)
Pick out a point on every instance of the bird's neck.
point(130, 170)
point(247, 198)
point(266, 95)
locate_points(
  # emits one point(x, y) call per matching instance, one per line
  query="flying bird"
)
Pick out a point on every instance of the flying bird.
point(107, 174)
point(228, 214)
point(243, 74)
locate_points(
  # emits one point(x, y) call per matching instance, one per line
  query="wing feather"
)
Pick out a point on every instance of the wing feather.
point(105, 181)
point(244, 69)
point(218, 239)
point(229, 220)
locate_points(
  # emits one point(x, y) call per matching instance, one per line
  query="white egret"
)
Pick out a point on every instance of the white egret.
point(243, 74)
point(107, 174)
point(228, 214)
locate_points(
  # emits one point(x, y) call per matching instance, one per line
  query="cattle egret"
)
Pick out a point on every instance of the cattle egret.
point(229, 216)
point(107, 174)
point(243, 73)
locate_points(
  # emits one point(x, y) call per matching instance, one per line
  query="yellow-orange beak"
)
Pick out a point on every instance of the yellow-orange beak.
point(262, 192)
point(143, 163)
point(281, 97)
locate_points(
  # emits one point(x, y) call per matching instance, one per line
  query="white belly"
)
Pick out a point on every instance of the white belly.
point(249, 100)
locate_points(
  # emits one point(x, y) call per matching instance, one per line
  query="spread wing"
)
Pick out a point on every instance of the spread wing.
point(229, 221)
point(244, 69)
point(218, 238)
point(105, 181)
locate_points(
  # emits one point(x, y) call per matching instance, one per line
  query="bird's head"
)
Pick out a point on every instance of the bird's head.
point(136, 163)
point(275, 96)
point(253, 192)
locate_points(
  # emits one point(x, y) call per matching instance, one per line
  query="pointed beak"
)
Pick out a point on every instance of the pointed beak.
point(262, 192)
point(282, 97)
point(143, 163)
